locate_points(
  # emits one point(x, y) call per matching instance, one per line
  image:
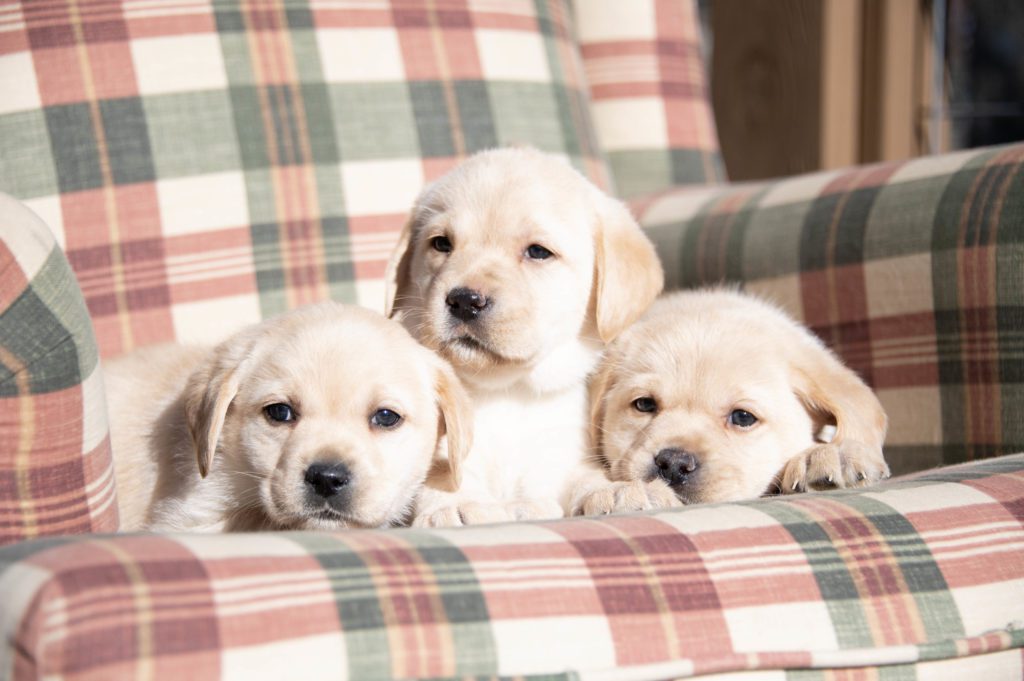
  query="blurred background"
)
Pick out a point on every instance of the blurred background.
point(801, 85)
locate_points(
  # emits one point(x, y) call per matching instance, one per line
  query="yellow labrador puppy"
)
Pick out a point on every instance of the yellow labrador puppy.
point(715, 395)
point(518, 270)
point(325, 417)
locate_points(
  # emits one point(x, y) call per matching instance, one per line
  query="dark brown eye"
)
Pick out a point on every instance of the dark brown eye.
point(646, 405)
point(441, 244)
point(385, 418)
point(742, 419)
point(537, 252)
point(279, 412)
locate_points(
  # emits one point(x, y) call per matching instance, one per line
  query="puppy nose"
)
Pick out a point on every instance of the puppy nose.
point(675, 466)
point(327, 479)
point(466, 304)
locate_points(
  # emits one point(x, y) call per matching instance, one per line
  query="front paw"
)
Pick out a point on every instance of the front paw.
point(481, 513)
point(462, 513)
point(829, 466)
point(446, 516)
point(627, 497)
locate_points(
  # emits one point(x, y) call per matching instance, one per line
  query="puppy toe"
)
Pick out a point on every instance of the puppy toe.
point(601, 502)
point(631, 496)
point(444, 517)
point(474, 513)
point(862, 465)
point(660, 495)
point(794, 476)
point(644, 496)
point(824, 468)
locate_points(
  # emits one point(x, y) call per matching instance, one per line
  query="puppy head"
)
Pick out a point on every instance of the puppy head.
point(714, 391)
point(325, 417)
point(513, 257)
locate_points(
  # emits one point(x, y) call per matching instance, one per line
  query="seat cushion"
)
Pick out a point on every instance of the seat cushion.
point(923, 575)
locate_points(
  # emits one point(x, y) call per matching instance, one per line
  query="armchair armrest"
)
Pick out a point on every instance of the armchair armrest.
point(56, 474)
point(915, 578)
point(911, 271)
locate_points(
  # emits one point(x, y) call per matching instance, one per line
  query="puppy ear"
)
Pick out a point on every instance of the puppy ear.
point(208, 394)
point(396, 276)
point(826, 386)
point(628, 275)
point(456, 419)
point(597, 388)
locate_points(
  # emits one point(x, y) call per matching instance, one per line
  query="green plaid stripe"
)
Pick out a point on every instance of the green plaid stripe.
point(649, 97)
point(56, 474)
point(910, 271)
point(849, 583)
point(908, 577)
point(274, 163)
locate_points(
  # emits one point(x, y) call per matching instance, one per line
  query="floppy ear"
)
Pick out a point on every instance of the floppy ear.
point(826, 386)
point(628, 275)
point(208, 394)
point(396, 276)
point(456, 419)
point(597, 388)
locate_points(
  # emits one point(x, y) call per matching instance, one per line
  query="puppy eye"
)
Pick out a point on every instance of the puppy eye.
point(645, 404)
point(741, 418)
point(385, 418)
point(279, 412)
point(441, 244)
point(537, 252)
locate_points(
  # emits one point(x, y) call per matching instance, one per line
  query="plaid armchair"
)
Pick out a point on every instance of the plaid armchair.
point(178, 170)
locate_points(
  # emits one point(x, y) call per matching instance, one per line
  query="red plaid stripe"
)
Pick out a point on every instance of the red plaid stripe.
point(935, 563)
point(56, 474)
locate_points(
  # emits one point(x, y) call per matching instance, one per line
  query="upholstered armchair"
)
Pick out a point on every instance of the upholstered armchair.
point(174, 171)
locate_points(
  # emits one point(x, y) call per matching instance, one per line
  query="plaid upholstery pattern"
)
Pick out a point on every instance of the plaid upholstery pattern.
point(913, 272)
point(56, 475)
point(648, 90)
point(207, 164)
point(915, 573)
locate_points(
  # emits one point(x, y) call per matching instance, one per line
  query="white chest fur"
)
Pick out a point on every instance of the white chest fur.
point(526, 446)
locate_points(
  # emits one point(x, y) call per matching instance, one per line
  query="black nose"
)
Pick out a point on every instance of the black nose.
point(466, 304)
point(675, 466)
point(328, 479)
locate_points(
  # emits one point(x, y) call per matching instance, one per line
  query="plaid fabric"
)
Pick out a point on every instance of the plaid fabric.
point(913, 272)
point(917, 574)
point(205, 165)
point(56, 475)
point(648, 89)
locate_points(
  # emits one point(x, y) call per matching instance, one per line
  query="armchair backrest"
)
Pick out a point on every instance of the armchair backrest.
point(204, 166)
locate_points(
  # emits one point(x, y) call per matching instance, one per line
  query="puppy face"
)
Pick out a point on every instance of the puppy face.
point(715, 391)
point(513, 256)
point(326, 417)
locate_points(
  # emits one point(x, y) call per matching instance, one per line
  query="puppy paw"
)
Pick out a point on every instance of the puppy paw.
point(627, 497)
point(830, 466)
point(534, 509)
point(446, 516)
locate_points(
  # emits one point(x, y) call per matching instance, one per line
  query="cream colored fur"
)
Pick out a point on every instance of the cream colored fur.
point(700, 355)
point(525, 361)
point(194, 449)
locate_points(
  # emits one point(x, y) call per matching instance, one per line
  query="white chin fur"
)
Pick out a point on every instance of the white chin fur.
point(564, 367)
